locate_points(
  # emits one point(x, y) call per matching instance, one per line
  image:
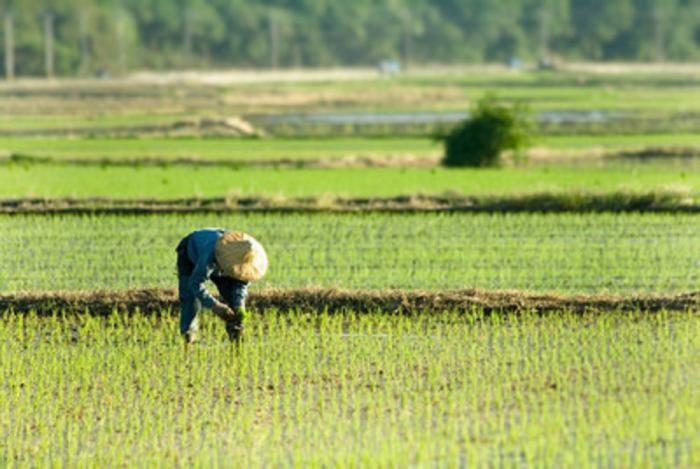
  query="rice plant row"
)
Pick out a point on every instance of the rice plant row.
point(596, 253)
point(353, 390)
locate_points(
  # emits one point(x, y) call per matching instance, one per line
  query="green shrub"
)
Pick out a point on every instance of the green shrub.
point(492, 129)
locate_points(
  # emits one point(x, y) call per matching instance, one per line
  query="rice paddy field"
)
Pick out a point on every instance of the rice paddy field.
point(589, 359)
point(569, 253)
point(306, 390)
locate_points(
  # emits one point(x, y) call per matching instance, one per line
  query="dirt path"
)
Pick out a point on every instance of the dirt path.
point(157, 301)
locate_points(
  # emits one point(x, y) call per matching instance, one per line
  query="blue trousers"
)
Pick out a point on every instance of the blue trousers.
point(232, 291)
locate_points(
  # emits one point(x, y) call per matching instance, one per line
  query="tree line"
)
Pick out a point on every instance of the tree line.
point(84, 37)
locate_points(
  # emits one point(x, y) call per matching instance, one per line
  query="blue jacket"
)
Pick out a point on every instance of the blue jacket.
point(201, 247)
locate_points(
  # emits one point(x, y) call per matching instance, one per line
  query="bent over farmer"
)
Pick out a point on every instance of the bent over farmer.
point(231, 260)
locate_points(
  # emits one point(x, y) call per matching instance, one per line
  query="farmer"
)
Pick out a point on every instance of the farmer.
point(230, 259)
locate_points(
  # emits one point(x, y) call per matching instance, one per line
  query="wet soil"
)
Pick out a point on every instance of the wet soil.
point(163, 301)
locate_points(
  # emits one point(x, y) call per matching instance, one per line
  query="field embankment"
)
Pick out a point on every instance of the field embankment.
point(329, 154)
point(313, 300)
point(569, 202)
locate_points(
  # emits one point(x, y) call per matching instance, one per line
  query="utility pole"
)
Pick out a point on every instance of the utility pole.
point(48, 44)
point(274, 40)
point(9, 27)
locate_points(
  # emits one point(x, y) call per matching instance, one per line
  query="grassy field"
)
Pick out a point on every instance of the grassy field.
point(609, 253)
point(262, 150)
point(216, 149)
point(347, 390)
point(184, 181)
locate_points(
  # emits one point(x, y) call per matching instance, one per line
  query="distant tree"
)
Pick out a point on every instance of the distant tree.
point(547, 25)
point(491, 129)
point(117, 35)
point(598, 23)
point(680, 23)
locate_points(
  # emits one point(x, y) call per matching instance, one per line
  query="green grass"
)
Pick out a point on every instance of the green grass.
point(350, 391)
point(608, 253)
point(246, 150)
point(183, 181)
point(216, 149)
point(616, 97)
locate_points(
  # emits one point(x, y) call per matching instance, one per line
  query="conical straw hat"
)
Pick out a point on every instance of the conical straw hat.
point(241, 256)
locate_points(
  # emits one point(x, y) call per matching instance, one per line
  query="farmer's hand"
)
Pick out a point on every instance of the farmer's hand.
point(234, 329)
point(223, 311)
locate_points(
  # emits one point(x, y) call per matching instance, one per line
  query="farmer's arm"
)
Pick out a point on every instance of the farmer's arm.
point(238, 295)
point(199, 276)
point(234, 292)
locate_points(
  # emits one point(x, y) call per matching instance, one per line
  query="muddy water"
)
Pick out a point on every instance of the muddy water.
point(407, 118)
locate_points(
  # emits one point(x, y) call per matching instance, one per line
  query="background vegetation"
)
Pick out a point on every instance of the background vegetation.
point(119, 35)
point(491, 129)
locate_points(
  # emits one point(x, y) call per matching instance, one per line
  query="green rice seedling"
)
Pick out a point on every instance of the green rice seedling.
point(567, 253)
point(443, 389)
